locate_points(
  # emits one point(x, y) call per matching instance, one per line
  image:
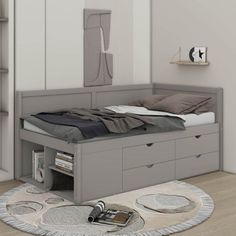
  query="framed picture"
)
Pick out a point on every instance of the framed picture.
point(198, 54)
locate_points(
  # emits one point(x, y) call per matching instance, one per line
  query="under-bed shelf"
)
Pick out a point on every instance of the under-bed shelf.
point(61, 171)
point(67, 194)
point(30, 180)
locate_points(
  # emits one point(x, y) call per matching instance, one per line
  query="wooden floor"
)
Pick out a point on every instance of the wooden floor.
point(222, 188)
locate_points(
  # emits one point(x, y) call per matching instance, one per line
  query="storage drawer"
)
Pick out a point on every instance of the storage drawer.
point(197, 165)
point(148, 175)
point(196, 145)
point(148, 154)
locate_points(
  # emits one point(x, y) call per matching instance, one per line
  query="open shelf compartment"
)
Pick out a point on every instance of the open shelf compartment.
point(54, 168)
point(53, 176)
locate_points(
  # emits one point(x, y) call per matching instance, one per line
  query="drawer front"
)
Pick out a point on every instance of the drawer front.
point(147, 176)
point(197, 145)
point(197, 165)
point(101, 174)
point(148, 154)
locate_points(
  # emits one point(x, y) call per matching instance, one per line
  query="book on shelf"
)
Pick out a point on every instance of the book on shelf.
point(64, 169)
point(64, 164)
point(65, 156)
point(38, 165)
point(64, 161)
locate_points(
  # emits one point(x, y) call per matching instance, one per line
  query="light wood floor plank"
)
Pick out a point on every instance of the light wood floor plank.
point(222, 188)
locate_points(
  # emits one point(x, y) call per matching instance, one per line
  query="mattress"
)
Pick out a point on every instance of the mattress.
point(31, 127)
point(202, 119)
point(190, 120)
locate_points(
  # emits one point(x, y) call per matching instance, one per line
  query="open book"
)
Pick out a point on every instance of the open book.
point(114, 217)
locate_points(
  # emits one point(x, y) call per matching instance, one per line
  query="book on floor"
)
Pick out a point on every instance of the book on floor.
point(64, 161)
point(114, 217)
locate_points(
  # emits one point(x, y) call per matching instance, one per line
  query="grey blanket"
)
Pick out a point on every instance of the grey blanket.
point(94, 123)
point(73, 135)
point(115, 123)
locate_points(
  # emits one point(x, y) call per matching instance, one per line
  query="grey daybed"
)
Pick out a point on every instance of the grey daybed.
point(106, 166)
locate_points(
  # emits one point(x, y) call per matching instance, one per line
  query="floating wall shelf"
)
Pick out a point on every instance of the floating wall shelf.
point(182, 62)
point(190, 63)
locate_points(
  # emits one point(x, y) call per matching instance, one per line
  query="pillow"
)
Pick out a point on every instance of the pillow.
point(180, 103)
point(208, 107)
point(148, 101)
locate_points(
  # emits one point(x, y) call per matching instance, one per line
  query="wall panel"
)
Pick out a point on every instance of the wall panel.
point(30, 44)
point(64, 43)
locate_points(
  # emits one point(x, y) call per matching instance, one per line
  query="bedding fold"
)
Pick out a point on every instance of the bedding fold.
point(94, 123)
point(89, 128)
point(73, 133)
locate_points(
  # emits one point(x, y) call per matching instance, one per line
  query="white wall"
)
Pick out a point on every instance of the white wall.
point(30, 44)
point(206, 23)
point(64, 44)
point(49, 42)
point(141, 41)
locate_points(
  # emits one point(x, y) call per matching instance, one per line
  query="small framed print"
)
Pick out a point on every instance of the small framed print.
point(198, 54)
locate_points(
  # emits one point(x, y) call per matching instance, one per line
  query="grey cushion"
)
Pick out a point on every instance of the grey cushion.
point(207, 107)
point(180, 103)
point(148, 101)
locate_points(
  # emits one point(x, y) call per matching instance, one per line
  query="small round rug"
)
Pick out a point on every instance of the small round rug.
point(158, 210)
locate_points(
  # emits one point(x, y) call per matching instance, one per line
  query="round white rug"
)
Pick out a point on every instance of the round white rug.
point(158, 210)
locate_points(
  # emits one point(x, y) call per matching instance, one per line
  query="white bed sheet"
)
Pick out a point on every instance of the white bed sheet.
point(190, 119)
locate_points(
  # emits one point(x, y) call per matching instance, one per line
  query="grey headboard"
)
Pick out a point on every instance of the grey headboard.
point(28, 102)
point(49, 100)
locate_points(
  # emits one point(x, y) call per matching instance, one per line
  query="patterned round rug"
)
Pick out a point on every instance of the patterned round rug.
point(158, 210)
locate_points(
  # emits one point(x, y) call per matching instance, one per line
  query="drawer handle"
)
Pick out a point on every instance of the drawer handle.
point(198, 156)
point(198, 136)
point(149, 166)
point(149, 144)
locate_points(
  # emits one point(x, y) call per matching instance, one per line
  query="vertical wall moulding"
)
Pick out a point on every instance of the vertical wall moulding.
point(98, 63)
point(7, 90)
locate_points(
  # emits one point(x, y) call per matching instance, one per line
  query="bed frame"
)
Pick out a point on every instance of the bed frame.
point(103, 166)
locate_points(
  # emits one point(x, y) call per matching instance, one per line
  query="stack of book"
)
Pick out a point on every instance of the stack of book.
point(38, 165)
point(64, 161)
